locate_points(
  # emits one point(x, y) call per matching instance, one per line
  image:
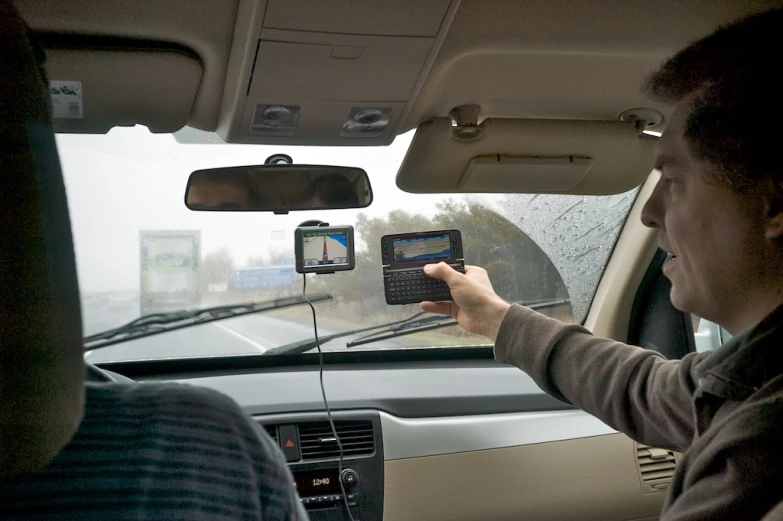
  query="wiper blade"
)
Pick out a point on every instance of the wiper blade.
point(302, 346)
point(407, 326)
point(417, 326)
point(437, 322)
point(162, 322)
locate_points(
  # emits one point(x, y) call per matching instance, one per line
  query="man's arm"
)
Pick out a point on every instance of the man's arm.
point(634, 390)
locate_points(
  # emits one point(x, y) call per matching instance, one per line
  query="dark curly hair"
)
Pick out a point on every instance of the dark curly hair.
point(736, 121)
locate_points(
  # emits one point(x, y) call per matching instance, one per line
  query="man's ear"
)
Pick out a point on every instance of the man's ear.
point(774, 224)
point(775, 227)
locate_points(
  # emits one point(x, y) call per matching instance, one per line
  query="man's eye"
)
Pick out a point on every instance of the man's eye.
point(669, 179)
point(673, 184)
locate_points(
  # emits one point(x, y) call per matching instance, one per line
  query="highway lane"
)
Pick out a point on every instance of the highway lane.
point(250, 334)
point(100, 318)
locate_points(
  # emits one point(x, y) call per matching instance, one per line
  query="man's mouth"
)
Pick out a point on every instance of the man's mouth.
point(671, 260)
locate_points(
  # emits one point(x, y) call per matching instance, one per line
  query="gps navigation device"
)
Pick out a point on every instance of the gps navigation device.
point(324, 249)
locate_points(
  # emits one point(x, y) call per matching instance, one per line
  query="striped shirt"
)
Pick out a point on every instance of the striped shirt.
point(159, 451)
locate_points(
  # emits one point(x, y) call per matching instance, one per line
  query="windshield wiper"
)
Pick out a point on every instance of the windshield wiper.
point(416, 326)
point(408, 326)
point(303, 346)
point(436, 322)
point(162, 322)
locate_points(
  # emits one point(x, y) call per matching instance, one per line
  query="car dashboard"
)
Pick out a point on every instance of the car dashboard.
point(442, 433)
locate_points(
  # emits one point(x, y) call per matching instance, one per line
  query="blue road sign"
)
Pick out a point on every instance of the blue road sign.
point(265, 277)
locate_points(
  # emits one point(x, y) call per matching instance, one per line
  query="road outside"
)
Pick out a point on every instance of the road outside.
point(251, 334)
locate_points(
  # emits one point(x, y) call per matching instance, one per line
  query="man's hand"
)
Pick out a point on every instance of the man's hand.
point(476, 306)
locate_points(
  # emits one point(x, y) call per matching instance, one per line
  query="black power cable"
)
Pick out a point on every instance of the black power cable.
point(323, 394)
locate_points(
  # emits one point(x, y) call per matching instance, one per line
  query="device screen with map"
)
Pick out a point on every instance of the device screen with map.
point(418, 249)
point(324, 249)
point(432, 249)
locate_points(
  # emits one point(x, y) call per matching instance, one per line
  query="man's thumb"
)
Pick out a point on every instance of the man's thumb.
point(442, 271)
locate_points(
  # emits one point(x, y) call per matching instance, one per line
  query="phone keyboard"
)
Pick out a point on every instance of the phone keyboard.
point(414, 286)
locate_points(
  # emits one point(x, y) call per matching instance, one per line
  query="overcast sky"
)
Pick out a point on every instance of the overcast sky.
point(130, 180)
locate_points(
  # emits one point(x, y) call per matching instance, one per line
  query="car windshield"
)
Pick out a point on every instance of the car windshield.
point(125, 192)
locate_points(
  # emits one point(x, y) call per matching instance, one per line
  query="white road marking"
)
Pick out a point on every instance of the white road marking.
point(259, 347)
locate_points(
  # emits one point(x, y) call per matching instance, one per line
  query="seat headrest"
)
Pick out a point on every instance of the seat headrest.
point(41, 364)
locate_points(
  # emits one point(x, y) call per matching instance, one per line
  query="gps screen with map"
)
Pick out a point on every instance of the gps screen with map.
point(417, 249)
point(324, 248)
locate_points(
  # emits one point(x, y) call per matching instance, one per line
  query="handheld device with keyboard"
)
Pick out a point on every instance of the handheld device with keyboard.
point(404, 257)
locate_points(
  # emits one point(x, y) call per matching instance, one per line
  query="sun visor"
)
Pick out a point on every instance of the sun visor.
point(93, 90)
point(527, 156)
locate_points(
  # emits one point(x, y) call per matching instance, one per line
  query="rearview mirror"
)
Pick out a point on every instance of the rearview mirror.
point(278, 188)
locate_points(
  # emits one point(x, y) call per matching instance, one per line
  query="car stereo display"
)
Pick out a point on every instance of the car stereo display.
point(317, 482)
point(417, 249)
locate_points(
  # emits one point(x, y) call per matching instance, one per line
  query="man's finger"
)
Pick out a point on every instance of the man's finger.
point(441, 308)
point(443, 272)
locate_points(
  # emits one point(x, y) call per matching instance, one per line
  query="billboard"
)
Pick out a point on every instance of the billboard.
point(265, 277)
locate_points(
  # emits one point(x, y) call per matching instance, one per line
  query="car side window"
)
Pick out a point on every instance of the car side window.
point(708, 335)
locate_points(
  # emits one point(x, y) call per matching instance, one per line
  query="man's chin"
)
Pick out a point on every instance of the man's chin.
point(680, 301)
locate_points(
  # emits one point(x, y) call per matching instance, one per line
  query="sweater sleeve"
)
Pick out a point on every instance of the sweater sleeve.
point(634, 390)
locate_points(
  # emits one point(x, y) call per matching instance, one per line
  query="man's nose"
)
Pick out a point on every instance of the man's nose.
point(652, 212)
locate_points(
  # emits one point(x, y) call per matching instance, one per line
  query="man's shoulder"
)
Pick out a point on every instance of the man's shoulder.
point(762, 412)
point(183, 397)
point(758, 421)
point(198, 426)
point(177, 407)
point(161, 450)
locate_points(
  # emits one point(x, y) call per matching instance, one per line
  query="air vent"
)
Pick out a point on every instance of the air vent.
point(271, 430)
point(317, 441)
point(656, 467)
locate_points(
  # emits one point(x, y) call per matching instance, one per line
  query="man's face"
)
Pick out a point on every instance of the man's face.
point(316, 201)
point(218, 195)
point(716, 236)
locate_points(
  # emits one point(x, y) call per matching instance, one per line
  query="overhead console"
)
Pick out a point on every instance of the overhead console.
point(328, 73)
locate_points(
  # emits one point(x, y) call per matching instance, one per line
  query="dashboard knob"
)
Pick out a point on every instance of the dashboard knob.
point(349, 478)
